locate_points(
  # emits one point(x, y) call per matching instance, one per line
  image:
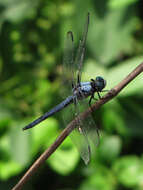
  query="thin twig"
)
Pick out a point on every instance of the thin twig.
point(112, 93)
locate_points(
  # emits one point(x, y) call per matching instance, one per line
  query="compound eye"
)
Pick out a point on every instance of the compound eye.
point(99, 78)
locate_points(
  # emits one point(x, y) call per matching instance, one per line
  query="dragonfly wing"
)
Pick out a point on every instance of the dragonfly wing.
point(72, 65)
point(78, 135)
point(79, 138)
point(81, 50)
point(87, 131)
point(68, 68)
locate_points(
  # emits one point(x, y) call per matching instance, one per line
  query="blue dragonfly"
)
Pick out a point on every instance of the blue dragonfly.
point(86, 130)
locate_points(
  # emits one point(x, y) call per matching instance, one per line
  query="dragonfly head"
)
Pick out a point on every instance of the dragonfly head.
point(99, 83)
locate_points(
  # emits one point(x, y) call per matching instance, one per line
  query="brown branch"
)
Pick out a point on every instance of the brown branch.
point(112, 93)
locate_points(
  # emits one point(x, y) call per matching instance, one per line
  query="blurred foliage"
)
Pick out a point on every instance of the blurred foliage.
point(32, 35)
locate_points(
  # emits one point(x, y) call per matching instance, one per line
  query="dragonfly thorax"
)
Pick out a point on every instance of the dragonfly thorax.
point(83, 90)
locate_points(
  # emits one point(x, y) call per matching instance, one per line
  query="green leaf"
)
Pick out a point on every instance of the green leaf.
point(113, 118)
point(19, 141)
point(110, 148)
point(9, 169)
point(110, 34)
point(129, 171)
point(102, 179)
point(65, 159)
point(120, 71)
point(120, 3)
point(17, 11)
point(43, 134)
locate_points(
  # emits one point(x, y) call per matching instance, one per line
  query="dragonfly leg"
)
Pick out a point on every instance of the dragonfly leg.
point(91, 97)
point(72, 85)
point(99, 95)
point(78, 80)
point(92, 80)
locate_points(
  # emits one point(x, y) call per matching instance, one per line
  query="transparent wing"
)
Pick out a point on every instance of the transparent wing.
point(81, 142)
point(68, 63)
point(72, 67)
point(81, 51)
point(78, 135)
point(86, 134)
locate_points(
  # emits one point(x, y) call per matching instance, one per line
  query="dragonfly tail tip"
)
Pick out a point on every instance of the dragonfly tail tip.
point(24, 128)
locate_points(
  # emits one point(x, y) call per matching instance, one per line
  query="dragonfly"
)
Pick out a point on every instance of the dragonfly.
point(79, 91)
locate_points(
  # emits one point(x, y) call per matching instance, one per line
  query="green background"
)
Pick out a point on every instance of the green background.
point(32, 34)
